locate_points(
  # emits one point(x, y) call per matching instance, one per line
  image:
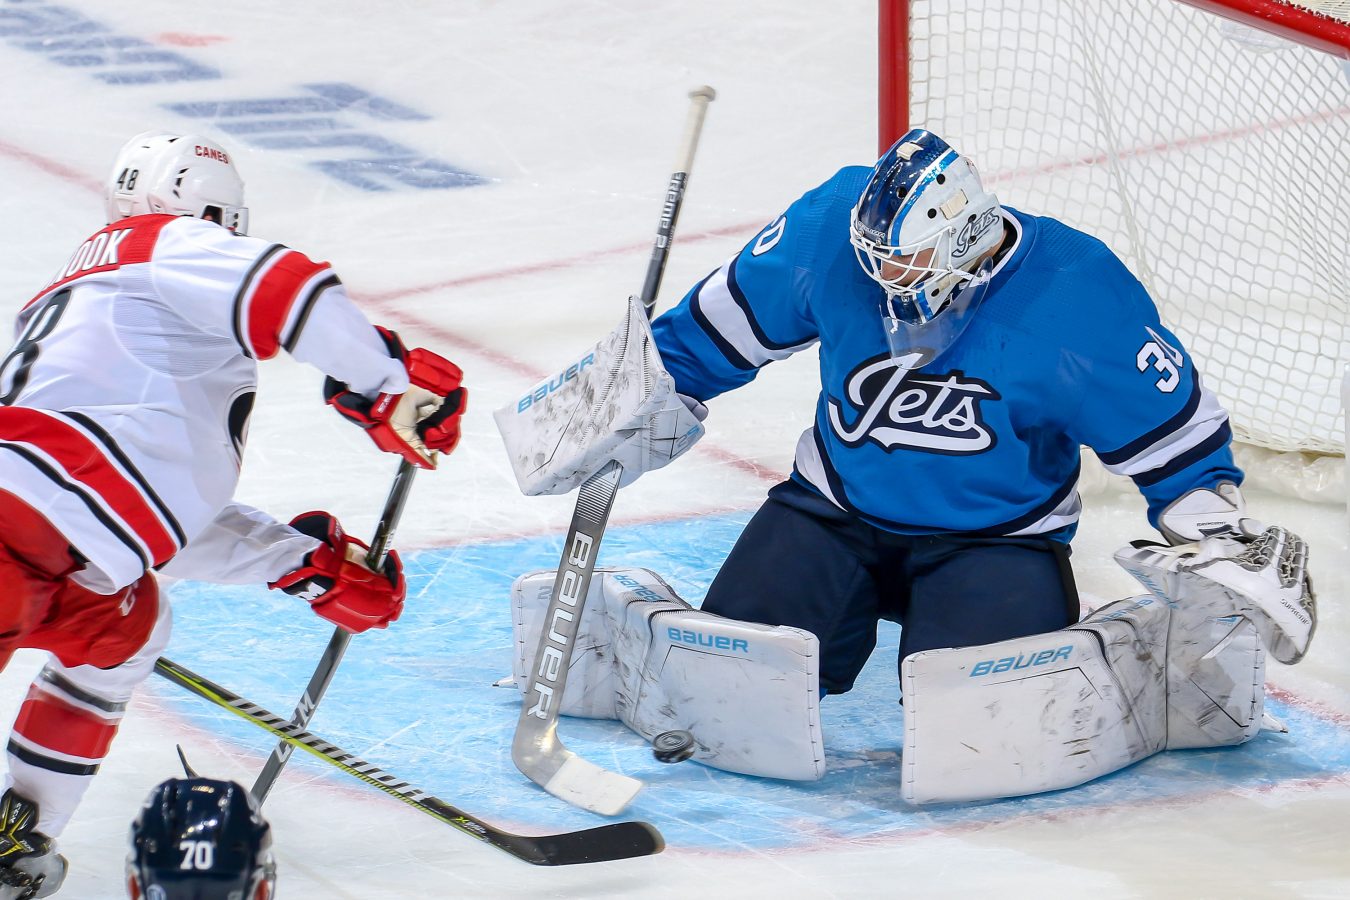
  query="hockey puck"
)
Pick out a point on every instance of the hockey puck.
point(673, 746)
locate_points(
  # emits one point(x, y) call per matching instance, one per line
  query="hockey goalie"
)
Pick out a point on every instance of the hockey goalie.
point(1181, 666)
point(968, 351)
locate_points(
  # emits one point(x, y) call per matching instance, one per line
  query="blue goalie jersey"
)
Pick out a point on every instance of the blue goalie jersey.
point(1065, 350)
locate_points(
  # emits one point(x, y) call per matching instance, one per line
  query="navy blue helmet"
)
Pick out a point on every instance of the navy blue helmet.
point(200, 839)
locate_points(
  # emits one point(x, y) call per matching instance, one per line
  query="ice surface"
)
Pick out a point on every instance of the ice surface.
point(562, 120)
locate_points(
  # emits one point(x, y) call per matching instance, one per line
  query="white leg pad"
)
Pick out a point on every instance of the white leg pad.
point(1056, 710)
point(1216, 675)
point(1024, 716)
point(748, 693)
point(592, 682)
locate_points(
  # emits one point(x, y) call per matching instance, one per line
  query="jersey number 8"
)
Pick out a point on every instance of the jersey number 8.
point(26, 349)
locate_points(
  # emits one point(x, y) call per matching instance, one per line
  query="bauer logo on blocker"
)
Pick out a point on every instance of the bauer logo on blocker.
point(553, 384)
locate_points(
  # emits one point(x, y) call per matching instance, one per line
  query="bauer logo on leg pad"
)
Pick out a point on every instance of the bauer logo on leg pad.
point(1020, 661)
point(1066, 717)
point(642, 591)
point(710, 641)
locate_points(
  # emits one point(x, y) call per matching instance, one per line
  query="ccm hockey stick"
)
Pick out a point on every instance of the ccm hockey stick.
point(337, 644)
point(536, 749)
point(619, 840)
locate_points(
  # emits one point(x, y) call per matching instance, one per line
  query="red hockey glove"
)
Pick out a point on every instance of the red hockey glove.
point(336, 581)
point(418, 423)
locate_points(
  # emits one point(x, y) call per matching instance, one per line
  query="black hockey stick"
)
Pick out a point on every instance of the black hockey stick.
point(620, 840)
point(670, 210)
point(536, 749)
point(337, 644)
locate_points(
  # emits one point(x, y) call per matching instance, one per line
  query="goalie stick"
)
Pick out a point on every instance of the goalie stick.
point(337, 644)
point(619, 840)
point(536, 749)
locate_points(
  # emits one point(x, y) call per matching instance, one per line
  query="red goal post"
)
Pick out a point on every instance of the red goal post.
point(1207, 141)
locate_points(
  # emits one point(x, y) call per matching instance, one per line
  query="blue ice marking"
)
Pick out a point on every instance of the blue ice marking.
point(68, 38)
point(417, 701)
point(314, 122)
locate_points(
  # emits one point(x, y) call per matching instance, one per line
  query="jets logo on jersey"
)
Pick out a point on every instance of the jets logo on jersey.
point(895, 406)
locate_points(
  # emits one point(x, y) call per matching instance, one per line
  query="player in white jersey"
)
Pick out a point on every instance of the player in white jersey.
point(124, 408)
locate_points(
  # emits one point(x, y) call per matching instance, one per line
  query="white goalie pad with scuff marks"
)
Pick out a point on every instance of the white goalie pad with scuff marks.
point(748, 693)
point(615, 402)
point(1056, 710)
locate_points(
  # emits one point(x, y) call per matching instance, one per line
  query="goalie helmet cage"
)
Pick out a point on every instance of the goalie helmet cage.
point(1206, 141)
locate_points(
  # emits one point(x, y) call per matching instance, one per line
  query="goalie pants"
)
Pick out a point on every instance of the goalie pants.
point(804, 562)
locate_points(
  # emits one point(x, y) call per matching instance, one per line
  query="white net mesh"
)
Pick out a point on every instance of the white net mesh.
point(1210, 156)
point(1334, 9)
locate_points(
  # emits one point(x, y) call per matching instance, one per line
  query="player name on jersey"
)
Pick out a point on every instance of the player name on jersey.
point(109, 249)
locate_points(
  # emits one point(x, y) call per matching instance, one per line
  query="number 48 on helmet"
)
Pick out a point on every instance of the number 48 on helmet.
point(200, 839)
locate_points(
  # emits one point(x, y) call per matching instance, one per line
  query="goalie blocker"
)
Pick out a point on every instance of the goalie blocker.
point(614, 403)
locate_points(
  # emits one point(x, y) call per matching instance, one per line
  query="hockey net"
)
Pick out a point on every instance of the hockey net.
point(1212, 156)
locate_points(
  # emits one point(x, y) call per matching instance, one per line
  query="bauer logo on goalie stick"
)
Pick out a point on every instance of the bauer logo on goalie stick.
point(557, 644)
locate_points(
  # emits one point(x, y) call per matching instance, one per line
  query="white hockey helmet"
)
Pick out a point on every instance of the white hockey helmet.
point(923, 226)
point(177, 174)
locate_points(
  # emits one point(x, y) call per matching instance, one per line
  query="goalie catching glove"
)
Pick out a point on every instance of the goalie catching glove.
point(420, 422)
point(1266, 582)
point(338, 583)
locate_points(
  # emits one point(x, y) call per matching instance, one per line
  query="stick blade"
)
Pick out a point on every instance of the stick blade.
point(584, 784)
point(604, 843)
point(620, 840)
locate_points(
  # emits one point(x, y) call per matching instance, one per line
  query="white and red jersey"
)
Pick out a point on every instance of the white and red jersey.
point(127, 394)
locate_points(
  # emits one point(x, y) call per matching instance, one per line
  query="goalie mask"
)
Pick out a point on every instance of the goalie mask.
point(925, 229)
point(200, 839)
point(180, 175)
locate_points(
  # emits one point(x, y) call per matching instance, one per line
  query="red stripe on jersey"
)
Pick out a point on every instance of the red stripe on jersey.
point(273, 298)
point(85, 462)
point(123, 243)
point(48, 722)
